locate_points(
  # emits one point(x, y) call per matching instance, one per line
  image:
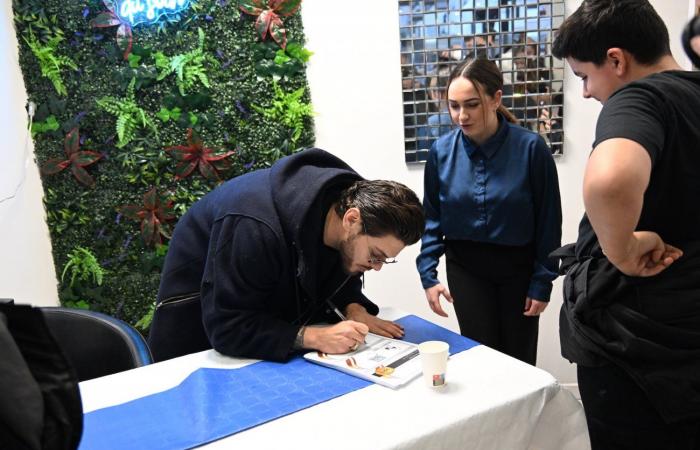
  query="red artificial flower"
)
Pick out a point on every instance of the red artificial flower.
point(109, 19)
point(77, 160)
point(268, 13)
point(195, 154)
point(153, 214)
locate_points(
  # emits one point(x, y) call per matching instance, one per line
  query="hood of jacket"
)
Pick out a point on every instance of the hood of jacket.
point(298, 183)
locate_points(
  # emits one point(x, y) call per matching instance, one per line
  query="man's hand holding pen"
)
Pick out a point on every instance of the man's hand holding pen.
point(350, 333)
point(342, 337)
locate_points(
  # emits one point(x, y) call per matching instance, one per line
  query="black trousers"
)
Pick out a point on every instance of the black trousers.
point(489, 284)
point(620, 416)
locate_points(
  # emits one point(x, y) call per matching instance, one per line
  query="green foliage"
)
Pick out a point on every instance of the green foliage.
point(145, 322)
point(189, 67)
point(31, 18)
point(144, 165)
point(166, 114)
point(183, 197)
point(50, 63)
point(63, 214)
point(153, 260)
point(221, 113)
point(193, 118)
point(77, 304)
point(133, 60)
point(130, 116)
point(86, 277)
point(83, 267)
point(289, 109)
point(186, 111)
point(278, 62)
point(51, 105)
point(50, 124)
point(294, 51)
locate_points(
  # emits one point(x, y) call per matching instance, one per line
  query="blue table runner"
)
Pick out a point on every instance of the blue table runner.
point(214, 403)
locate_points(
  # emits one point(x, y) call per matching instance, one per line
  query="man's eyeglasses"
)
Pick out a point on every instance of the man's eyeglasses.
point(372, 259)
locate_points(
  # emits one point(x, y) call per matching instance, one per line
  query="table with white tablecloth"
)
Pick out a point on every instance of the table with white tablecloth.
point(491, 401)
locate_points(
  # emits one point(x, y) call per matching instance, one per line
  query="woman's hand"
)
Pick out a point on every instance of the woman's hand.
point(433, 295)
point(534, 307)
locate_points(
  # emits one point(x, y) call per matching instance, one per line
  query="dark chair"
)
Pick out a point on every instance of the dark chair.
point(96, 344)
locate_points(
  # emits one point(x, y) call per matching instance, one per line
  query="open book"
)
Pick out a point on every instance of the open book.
point(381, 360)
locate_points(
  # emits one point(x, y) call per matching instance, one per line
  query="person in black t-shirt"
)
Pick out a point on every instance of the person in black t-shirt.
point(631, 313)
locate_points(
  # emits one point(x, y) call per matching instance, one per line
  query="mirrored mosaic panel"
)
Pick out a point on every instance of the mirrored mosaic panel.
point(436, 35)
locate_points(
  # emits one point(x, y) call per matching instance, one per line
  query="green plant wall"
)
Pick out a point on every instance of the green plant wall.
point(130, 132)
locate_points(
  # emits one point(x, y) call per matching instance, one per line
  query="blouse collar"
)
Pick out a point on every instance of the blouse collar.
point(492, 144)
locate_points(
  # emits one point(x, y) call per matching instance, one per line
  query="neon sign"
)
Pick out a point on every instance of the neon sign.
point(149, 11)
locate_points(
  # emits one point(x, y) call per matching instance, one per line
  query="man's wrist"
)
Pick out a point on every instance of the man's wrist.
point(311, 336)
point(353, 309)
point(299, 339)
point(619, 254)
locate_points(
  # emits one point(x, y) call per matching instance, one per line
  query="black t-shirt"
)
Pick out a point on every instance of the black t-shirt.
point(661, 112)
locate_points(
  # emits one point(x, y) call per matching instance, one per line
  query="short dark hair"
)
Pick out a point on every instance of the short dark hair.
point(598, 25)
point(387, 208)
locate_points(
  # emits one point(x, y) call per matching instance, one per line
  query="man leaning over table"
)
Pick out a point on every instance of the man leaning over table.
point(260, 259)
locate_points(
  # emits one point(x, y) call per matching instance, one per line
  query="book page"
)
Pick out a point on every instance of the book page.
point(381, 360)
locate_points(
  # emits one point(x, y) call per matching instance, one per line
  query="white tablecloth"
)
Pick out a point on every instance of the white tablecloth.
point(491, 401)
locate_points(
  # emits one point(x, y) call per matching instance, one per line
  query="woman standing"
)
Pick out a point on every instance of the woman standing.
point(492, 207)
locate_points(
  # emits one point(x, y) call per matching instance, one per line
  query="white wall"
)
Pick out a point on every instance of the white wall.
point(355, 87)
point(26, 266)
point(355, 84)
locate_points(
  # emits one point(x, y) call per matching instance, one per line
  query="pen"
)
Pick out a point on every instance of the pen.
point(342, 317)
point(332, 305)
point(336, 310)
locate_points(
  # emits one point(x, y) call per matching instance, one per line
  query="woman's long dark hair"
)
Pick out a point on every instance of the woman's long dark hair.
point(487, 79)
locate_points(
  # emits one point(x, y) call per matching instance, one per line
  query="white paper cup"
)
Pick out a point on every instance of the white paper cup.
point(433, 355)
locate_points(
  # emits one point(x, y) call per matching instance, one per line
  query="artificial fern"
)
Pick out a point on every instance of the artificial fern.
point(129, 115)
point(50, 63)
point(83, 265)
point(189, 67)
point(145, 321)
point(288, 109)
point(31, 18)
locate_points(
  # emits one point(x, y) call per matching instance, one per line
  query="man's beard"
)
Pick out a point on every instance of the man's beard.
point(347, 253)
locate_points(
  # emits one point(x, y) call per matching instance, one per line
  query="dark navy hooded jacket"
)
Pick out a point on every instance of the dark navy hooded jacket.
point(247, 251)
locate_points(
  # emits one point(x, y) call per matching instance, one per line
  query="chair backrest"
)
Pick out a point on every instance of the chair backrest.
point(96, 344)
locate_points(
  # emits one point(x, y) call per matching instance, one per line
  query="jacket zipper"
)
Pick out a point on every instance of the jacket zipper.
point(177, 299)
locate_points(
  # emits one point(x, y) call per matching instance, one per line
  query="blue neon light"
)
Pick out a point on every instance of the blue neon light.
point(148, 11)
